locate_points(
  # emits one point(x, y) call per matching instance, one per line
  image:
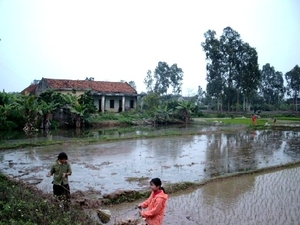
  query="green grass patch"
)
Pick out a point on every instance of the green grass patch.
point(296, 119)
point(22, 205)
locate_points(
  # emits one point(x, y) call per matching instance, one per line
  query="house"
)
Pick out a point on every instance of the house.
point(30, 90)
point(108, 96)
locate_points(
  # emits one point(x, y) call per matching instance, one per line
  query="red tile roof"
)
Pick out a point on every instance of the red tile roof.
point(30, 89)
point(97, 86)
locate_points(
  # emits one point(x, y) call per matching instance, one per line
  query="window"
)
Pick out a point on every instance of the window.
point(112, 104)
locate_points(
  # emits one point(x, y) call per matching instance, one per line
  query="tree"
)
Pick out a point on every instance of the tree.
point(12, 114)
point(30, 107)
point(87, 100)
point(150, 102)
point(232, 68)
point(185, 110)
point(176, 76)
point(293, 83)
point(163, 78)
point(162, 114)
point(132, 84)
point(249, 76)
point(271, 87)
point(215, 81)
point(77, 110)
point(200, 95)
point(148, 81)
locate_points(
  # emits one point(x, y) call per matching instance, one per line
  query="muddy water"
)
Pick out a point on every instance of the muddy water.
point(268, 198)
point(129, 164)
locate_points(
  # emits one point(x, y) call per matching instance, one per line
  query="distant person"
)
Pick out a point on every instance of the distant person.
point(254, 118)
point(61, 170)
point(274, 121)
point(155, 204)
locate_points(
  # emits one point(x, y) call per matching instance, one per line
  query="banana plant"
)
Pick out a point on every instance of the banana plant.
point(46, 110)
point(185, 110)
point(77, 110)
point(162, 114)
point(30, 107)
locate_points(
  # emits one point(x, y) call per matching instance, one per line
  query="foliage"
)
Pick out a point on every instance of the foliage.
point(132, 84)
point(87, 101)
point(10, 117)
point(150, 102)
point(185, 110)
point(293, 83)
point(53, 97)
point(29, 106)
point(21, 205)
point(29, 111)
point(80, 108)
point(162, 114)
point(232, 69)
point(164, 76)
point(271, 86)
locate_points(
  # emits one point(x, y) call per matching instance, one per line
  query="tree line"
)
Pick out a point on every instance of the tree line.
point(235, 82)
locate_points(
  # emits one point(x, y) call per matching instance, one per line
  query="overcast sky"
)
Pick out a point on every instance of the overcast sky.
point(121, 40)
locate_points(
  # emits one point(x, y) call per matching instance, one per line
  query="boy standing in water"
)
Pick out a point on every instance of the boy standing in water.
point(60, 170)
point(156, 204)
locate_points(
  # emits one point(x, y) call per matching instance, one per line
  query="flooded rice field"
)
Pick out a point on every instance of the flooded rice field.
point(267, 198)
point(103, 168)
point(130, 164)
point(10, 138)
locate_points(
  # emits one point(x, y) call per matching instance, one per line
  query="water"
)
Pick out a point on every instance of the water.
point(111, 166)
point(15, 137)
point(267, 198)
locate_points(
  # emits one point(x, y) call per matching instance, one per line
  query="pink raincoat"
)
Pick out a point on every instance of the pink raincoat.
point(156, 205)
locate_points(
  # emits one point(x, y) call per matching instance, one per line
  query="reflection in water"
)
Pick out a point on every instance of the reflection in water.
point(15, 137)
point(106, 167)
point(292, 146)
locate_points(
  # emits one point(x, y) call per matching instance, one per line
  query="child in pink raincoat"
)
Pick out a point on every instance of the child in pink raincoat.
point(155, 204)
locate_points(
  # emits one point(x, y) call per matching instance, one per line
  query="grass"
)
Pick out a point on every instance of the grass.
point(22, 205)
point(248, 121)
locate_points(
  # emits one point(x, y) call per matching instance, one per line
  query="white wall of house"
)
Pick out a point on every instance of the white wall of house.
point(114, 103)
